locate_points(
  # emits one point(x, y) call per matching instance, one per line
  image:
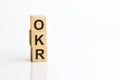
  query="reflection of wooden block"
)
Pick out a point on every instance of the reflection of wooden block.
point(39, 71)
point(39, 54)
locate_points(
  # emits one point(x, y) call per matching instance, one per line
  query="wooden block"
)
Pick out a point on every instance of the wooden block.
point(39, 54)
point(38, 38)
point(38, 24)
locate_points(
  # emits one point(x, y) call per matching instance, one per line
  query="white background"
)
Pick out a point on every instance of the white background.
point(83, 38)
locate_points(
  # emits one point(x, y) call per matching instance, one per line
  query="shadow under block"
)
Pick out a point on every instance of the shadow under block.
point(38, 38)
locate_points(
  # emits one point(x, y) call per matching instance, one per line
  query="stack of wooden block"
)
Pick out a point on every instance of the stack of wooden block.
point(38, 38)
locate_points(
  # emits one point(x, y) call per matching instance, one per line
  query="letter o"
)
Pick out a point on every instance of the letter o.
point(42, 24)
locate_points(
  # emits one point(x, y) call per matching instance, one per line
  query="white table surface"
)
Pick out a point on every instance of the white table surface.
point(83, 39)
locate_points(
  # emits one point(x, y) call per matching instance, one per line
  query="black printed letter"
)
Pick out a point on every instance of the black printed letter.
point(39, 52)
point(38, 39)
point(40, 27)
